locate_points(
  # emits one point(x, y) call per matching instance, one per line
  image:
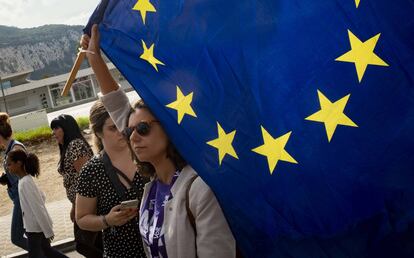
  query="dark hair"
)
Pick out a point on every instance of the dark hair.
point(71, 131)
point(97, 117)
point(29, 160)
point(5, 127)
point(146, 168)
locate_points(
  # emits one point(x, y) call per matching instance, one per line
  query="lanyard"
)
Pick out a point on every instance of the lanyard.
point(156, 219)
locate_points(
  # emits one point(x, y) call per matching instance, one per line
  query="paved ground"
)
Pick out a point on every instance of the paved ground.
point(62, 225)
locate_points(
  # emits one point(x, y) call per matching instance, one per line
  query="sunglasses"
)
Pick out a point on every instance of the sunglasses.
point(143, 128)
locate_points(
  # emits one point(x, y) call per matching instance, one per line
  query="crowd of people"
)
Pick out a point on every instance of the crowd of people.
point(136, 197)
point(31, 227)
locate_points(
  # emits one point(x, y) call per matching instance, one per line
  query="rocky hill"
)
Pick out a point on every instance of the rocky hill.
point(49, 50)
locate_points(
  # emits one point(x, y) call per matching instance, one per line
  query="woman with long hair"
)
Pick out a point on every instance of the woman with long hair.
point(9, 144)
point(179, 214)
point(37, 221)
point(75, 151)
point(105, 181)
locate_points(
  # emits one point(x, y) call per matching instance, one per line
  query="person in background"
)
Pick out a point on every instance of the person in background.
point(8, 143)
point(105, 181)
point(74, 153)
point(37, 222)
point(179, 214)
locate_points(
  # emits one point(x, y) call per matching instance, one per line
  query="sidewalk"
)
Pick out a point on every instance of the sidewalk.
point(62, 225)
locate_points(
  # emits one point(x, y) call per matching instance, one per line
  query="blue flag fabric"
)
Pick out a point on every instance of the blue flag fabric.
point(298, 114)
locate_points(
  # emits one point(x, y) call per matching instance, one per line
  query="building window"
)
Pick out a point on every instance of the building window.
point(6, 84)
point(82, 89)
point(43, 100)
point(17, 103)
point(58, 100)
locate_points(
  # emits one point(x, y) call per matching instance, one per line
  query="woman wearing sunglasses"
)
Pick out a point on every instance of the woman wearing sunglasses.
point(179, 214)
point(104, 182)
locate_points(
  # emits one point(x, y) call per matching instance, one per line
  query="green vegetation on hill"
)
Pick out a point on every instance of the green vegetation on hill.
point(16, 36)
point(50, 49)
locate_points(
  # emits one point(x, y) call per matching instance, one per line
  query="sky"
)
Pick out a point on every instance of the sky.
point(34, 13)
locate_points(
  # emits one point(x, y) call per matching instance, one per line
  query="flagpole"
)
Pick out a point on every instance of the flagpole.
point(100, 10)
point(73, 72)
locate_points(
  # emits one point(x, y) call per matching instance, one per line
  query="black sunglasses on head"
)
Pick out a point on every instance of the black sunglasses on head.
point(143, 128)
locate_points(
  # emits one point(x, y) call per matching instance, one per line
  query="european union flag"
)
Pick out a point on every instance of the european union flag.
point(298, 114)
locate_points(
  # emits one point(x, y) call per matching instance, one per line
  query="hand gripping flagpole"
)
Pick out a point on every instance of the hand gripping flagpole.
point(94, 19)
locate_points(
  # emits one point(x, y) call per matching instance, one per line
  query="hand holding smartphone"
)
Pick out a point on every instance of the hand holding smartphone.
point(131, 204)
point(122, 213)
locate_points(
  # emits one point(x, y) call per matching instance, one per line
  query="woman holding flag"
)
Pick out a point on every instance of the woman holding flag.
point(178, 208)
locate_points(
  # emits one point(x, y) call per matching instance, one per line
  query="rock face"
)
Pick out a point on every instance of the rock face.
point(49, 50)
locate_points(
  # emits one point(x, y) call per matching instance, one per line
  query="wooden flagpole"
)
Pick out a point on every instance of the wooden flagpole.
point(73, 72)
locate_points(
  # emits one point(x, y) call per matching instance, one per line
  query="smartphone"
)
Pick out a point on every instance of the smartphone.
point(130, 204)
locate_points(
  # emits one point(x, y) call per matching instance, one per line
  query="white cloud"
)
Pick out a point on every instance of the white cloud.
point(49, 2)
point(33, 13)
point(81, 19)
point(10, 11)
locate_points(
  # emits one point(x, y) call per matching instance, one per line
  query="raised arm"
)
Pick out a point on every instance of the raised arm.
point(104, 77)
point(114, 99)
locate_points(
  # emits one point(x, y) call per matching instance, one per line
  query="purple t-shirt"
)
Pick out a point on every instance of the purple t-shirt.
point(152, 217)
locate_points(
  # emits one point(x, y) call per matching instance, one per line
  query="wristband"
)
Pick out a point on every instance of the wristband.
point(105, 222)
point(86, 51)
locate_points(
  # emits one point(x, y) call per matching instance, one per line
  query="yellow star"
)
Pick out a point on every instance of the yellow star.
point(182, 105)
point(274, 149)
point(148, 55)
point(357, 3)
point(331, 114)
point(144, 6)
point(224, 143)
point(362, 54)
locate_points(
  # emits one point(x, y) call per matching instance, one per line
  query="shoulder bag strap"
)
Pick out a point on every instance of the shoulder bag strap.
point(116, 183)
point(112, 173)
point(191, 216)
point(189, 213)
point(187, 205)
point(11, 144)
point(131, 184)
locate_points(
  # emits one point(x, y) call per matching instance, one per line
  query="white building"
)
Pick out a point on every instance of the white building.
point(20, 96)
